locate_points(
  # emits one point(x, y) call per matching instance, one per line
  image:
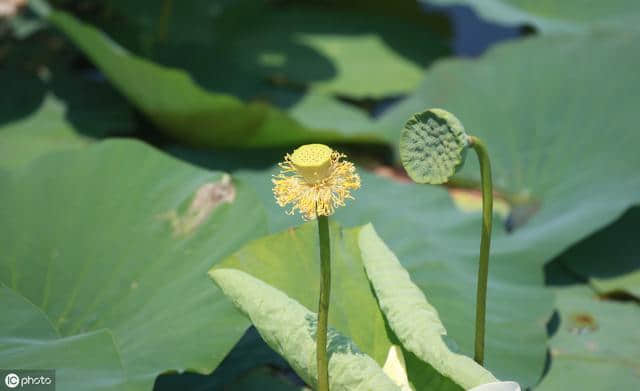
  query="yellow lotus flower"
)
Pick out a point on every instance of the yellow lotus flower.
point(315, 181)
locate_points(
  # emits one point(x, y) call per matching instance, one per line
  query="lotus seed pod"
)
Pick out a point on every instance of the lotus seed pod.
point(313, 161)
point(433, 146)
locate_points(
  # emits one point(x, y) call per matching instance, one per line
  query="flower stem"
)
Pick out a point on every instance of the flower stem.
point(323, 303)
point(485, 243)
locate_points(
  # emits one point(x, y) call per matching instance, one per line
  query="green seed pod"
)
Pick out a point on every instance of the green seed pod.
point(432, 146)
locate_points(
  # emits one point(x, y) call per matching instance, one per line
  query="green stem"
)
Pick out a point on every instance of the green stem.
point(323, 303)
point(485, 243)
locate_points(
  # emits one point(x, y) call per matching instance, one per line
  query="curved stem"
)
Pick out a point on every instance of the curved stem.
point(485, 243)
point(323, 303)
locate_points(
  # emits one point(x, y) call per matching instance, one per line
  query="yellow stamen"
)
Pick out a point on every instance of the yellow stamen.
point(314, 180)
point(312, 161)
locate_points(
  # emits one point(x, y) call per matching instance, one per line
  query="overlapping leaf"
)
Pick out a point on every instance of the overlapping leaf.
point(290, 329)
point(116, 240)
point(337, 47)
point(289, 261)
point(183, 109)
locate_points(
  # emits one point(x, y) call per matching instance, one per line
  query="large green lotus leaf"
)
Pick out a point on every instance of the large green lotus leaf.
point(555, 16)
point(119, 237)
point(184, 110)
point(596, 345)
point(290, 329)
point(353, 48)
point(536, 110)
point(610, 258)
point(413, 319)
point(87, 361)
point(543, 124)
